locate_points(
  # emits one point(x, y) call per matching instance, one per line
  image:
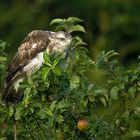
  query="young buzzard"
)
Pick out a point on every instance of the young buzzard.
point(29, 58)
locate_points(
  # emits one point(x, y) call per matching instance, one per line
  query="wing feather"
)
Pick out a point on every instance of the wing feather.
point(26, 52)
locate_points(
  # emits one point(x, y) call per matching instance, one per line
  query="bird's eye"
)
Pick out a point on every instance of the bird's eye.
point(62, 39)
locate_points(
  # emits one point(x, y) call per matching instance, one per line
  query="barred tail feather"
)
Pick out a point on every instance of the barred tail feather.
point(10, 95)
point(11, 92)
point(7, 93)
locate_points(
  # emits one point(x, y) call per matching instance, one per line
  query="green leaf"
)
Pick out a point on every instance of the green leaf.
point(137, 111)
point(57, 21)
point(27, 94)
point(48, 112)
point(47, 59)
point(3, 58)
point(118, 122)
point(136, 133)
point(46, 56)
point(114, 93)
point(3, 44)
point(45, 73)
point(84, 102)
point(76, 39)
point(11, 111)
point(90, 87)
point(103, 101)
point(80, 44)
point(55, 62)
point(111, 53)
point(60, 28)
point(18, 113)
point(57, 70)
point(27, 91)
point(41, 114)
point(100, 92)
point(132, 91)
point(74, 20)
point(91, 98)
point(74, 82)
point(78, 28)
point(59, 118)
point(52, 106)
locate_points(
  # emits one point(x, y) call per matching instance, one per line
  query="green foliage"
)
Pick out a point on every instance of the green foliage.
point(68, 25)
point(3, 65)
point(60, 94)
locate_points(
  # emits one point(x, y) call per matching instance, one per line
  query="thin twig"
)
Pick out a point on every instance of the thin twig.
point(15, 125)
point(15, 130)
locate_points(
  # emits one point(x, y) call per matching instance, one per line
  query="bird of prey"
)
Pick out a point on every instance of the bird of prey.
point(29, 58)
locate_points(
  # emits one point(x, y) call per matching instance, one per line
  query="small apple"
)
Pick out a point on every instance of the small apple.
point(82, 124)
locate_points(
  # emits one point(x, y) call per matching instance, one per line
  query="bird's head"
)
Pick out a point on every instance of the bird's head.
point(60, 41)
point(63, 37)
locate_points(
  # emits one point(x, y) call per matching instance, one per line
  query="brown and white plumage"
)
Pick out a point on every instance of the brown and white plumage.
point(29, 58)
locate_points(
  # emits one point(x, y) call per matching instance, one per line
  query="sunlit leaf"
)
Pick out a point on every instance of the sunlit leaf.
point(18, 113)
point(47, 59)
point(45, 73)
point(103, 101)
point(11, 111)
point(91, 98)
point(85, 102)
point(74, 20)
point(57, 70)
point(55, 62)
point(48, 112)
point(136, 133)
point(74, 82)
point(60, 28)
point(114, 93)
point(80, 44)
point(78, 28)
point(111, 53)
point(52, 106)
point(3, 58)
point(57, 21)
point(59, 118)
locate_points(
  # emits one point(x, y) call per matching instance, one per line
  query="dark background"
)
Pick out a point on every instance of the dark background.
point(110, 24)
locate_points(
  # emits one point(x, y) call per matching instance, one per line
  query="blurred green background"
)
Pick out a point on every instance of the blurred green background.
point(110, 24)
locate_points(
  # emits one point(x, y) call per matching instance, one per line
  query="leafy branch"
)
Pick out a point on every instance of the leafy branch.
point(60, 94)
